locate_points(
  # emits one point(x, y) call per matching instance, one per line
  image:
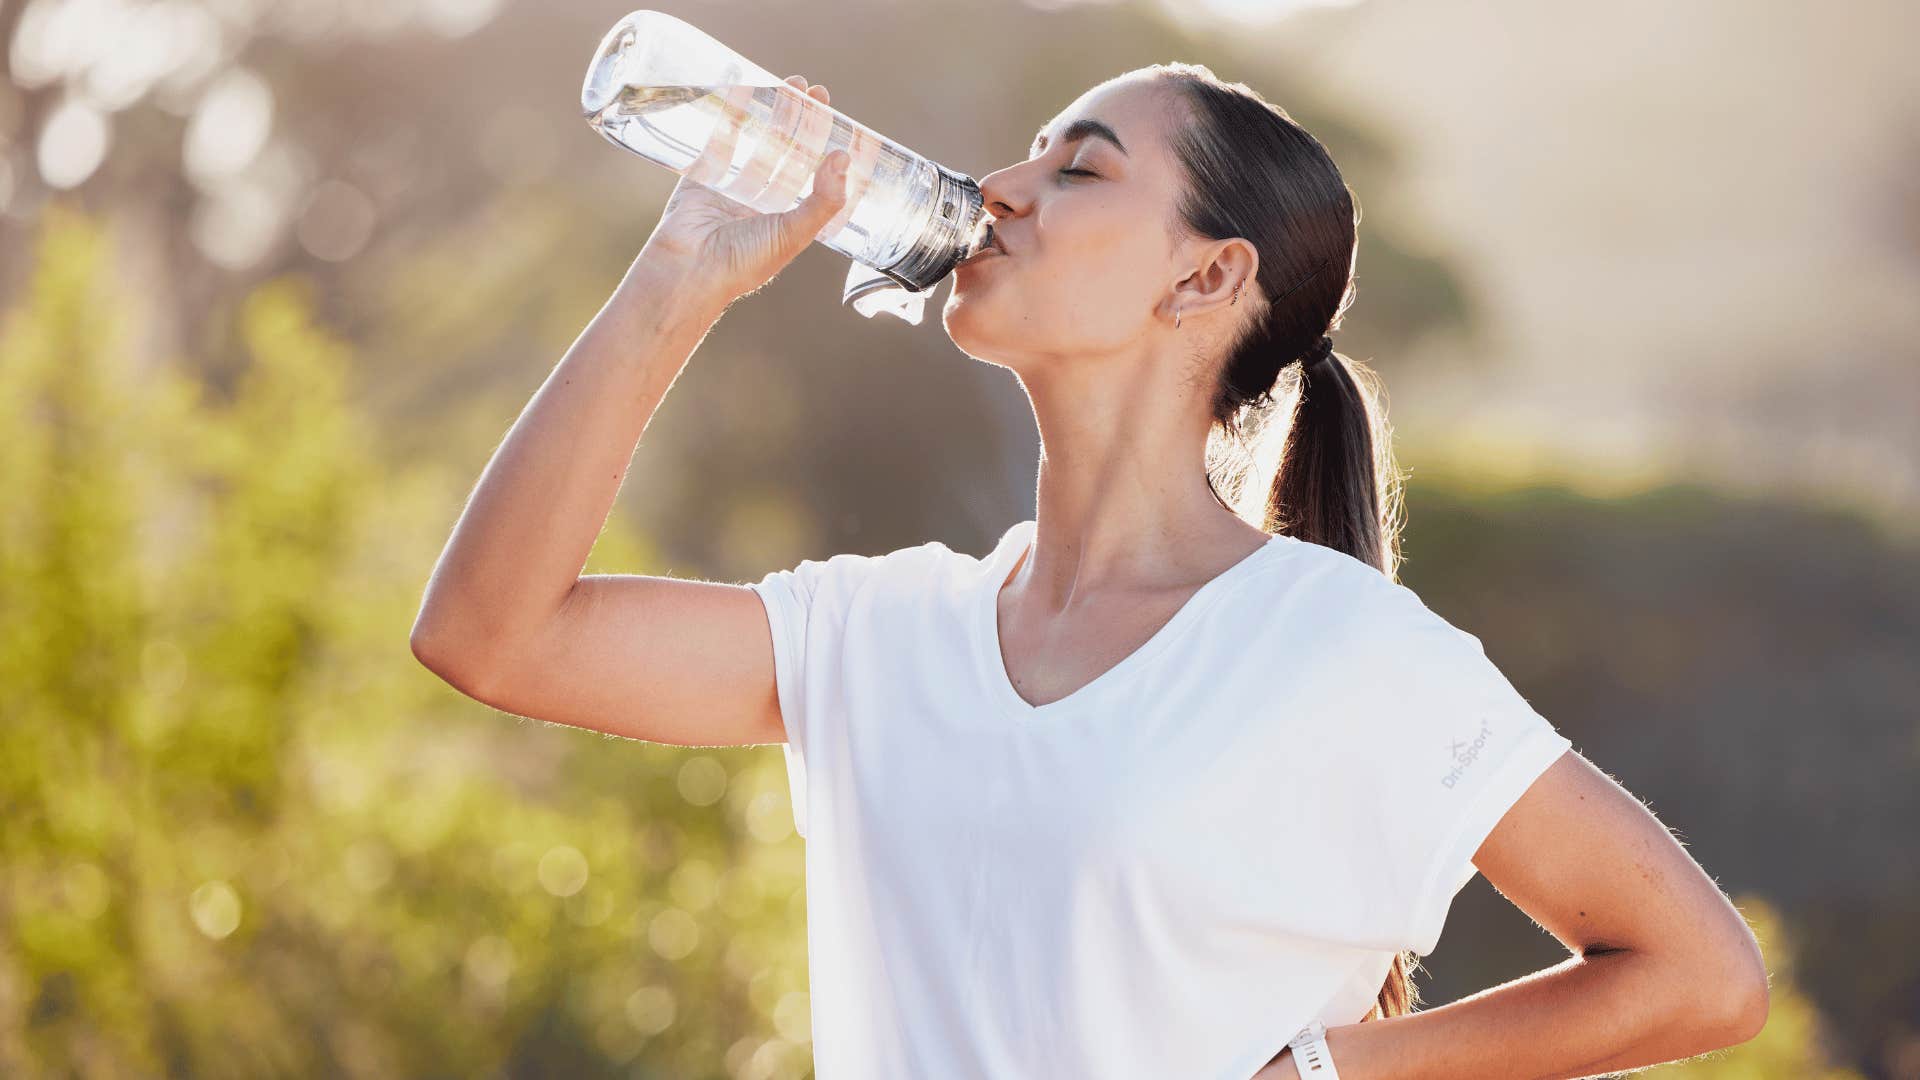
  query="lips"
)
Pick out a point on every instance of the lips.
point(988, 252)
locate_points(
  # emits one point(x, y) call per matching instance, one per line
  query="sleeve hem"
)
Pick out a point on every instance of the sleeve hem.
point(783, 621)
point(1543, 746)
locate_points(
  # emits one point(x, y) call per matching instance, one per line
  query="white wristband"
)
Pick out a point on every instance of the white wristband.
point(1311, 1059)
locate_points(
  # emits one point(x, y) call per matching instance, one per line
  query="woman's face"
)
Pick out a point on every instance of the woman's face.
point(1090, 260)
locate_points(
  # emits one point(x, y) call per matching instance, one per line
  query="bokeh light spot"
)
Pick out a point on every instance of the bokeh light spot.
point(230, 127)
point(702, 780)
point(650, 1009)
point(215, 908)
point(72, 144)
point(673, 933)
point(336, 223)
point(563, 871)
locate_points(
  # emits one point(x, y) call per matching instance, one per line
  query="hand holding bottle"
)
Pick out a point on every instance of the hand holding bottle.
point(731, 249)
point(664, 89)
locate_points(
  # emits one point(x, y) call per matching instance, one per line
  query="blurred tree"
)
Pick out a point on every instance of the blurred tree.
point(244, 833)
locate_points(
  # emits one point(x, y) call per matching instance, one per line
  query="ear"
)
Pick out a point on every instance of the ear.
point(1219, 266)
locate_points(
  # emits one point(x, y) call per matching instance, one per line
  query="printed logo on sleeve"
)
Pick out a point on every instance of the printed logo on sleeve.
point(1465, 753)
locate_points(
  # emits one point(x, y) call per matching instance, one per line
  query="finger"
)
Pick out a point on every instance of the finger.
point(717, 156)
point(862, 155)
point(749, 182)
point(809, 141)
point(830, 182)
point(820, 91)
point(800, 225)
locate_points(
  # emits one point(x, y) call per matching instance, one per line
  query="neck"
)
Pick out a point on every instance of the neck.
point(1123, 499)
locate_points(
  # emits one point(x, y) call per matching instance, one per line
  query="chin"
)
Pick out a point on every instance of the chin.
point(970, 324)
point(989, 320)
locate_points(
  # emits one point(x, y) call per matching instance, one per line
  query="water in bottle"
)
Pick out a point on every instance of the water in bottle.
point(665, 90)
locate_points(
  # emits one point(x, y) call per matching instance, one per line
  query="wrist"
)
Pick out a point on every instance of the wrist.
point(672, 291)
point(1308, 1054)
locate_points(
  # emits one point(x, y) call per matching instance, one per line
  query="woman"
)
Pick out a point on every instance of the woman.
point(1145, 790)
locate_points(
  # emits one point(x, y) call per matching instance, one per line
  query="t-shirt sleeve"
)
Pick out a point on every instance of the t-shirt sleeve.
point(806, 611)
point(1447, 745)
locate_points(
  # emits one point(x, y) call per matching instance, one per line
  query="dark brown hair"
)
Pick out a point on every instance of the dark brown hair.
point(1250, 171)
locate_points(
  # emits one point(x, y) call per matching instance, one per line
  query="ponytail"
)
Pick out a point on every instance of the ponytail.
point(1336, 484)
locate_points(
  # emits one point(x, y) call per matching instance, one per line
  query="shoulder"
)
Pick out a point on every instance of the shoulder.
point(846, 574)
point(1346, 606)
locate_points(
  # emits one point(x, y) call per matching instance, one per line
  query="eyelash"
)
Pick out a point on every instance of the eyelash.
point(1077, 172)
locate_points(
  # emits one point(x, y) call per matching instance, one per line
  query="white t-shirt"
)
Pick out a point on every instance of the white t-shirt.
point(1167, 873)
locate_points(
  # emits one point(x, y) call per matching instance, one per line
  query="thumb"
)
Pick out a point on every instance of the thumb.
point(801, 224)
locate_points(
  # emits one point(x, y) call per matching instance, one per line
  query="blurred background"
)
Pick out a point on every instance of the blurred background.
point(1642, 279)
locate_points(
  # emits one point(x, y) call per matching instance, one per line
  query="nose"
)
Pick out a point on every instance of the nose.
point(999, 192)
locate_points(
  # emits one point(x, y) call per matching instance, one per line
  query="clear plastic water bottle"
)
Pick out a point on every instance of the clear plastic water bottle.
point(665, 90)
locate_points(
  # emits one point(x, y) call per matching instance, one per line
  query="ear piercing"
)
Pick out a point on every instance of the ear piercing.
point(1230, 303)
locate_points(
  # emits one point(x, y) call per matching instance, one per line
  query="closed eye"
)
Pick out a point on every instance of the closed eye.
point(1077, 172)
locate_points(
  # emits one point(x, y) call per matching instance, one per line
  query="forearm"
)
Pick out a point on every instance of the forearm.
point(543, 499)
point(1587, 1017)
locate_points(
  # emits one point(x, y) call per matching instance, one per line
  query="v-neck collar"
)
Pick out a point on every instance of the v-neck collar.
point(993, 667)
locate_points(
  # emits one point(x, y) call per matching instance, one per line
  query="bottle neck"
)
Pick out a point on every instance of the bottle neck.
point(958, 227)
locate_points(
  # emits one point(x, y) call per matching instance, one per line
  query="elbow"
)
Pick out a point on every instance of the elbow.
point(1759, 1018)
point(1716, 992)
point(426, 649)
point(1751, 1017)
point(435, 652)
point(420, 640)
point(470, 663)
point(1758, 980)
point(1740, 1021)
point(1745, 990)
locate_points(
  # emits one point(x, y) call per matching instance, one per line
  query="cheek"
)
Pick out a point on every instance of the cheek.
point(1087, 226)
point(1092, 275)
point(1104, 233)
point(1107, 267)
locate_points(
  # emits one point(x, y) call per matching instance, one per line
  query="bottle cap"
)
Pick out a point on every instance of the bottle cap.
point(902, 287)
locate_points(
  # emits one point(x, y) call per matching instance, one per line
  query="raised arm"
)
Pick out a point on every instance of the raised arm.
point(507, 617)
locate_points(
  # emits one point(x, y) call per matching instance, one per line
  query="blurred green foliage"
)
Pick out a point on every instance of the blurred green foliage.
point(245, 834)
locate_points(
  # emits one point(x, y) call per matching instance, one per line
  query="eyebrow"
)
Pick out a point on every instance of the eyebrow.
point(1080, 129)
